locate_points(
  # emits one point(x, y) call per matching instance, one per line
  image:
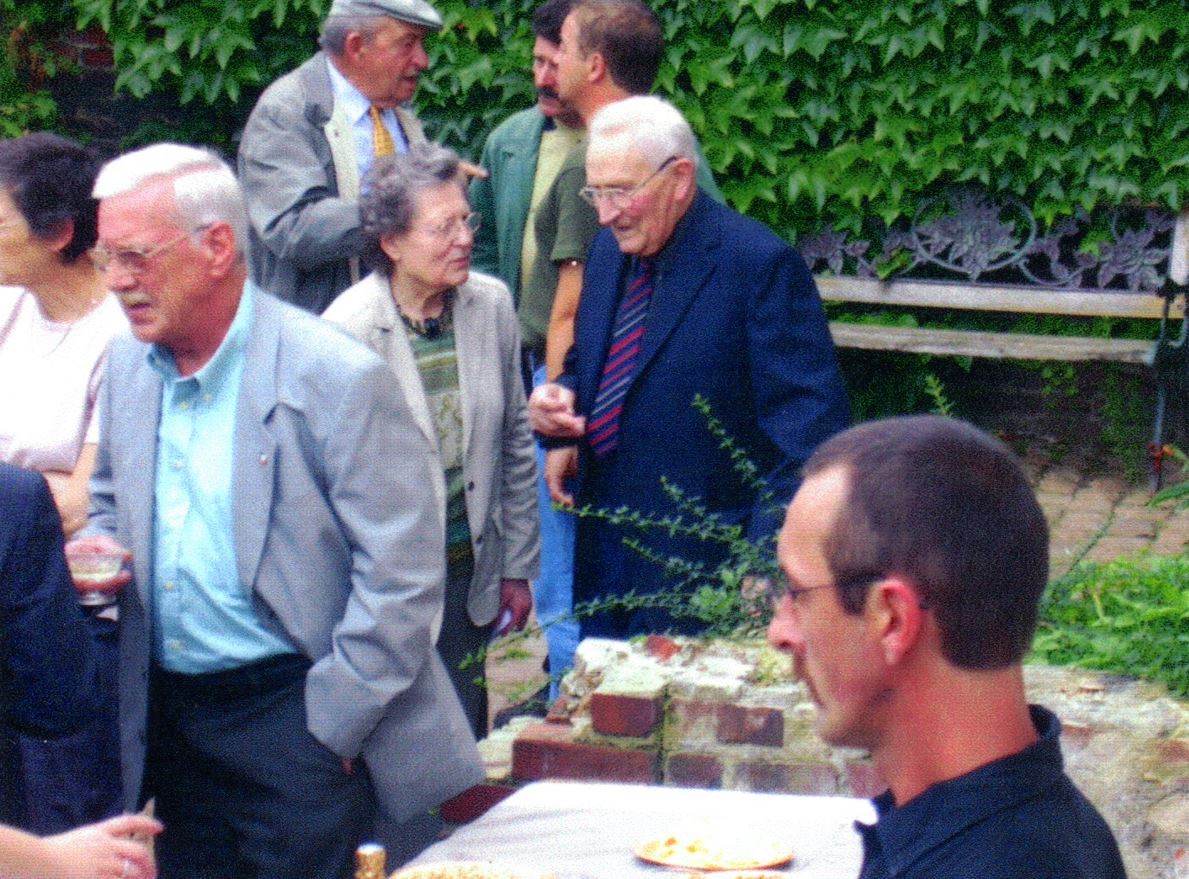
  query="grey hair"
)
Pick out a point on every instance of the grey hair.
point(205, 190)
point(337, 28)
point(391, 192)
point(653, 126)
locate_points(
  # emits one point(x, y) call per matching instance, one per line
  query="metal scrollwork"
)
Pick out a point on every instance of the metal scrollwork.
point(965, 233)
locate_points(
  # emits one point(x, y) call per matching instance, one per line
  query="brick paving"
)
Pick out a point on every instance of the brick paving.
point(1093, 516)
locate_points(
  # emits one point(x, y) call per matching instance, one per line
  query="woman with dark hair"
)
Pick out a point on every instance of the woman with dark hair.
point(56, 324)
point(453, 343)
point(56, 320)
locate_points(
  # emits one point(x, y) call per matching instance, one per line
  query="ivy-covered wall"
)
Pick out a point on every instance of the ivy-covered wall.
point(808, 110)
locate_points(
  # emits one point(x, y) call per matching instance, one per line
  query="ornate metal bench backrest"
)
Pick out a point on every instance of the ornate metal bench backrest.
point(965, 235)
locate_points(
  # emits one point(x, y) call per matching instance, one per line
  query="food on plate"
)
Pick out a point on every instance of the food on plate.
point(704, 852)
point(465, 870)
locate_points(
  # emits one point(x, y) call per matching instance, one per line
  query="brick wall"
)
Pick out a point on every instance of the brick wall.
point(726, 715)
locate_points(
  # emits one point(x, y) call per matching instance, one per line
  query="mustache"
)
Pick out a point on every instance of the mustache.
point(546, 92)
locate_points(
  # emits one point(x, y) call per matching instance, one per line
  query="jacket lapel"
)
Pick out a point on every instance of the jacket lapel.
point(142, 394)
point(686, 266)
point(388, 339)
point(254, 447)
point(600, 301)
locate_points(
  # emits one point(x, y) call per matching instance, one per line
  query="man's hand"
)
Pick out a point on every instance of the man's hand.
point(560, 465)
point(100, 543)
point(106, 849)
point(551, 411)
point(516, 600)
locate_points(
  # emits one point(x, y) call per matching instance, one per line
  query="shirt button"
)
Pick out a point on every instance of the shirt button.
point(175, 644)
point(470, 486)
point(169, 586)
point(184, 405)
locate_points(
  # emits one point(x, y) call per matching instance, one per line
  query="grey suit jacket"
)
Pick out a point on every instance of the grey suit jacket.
point(499, 461)
point(300, 177)
point(335, 536)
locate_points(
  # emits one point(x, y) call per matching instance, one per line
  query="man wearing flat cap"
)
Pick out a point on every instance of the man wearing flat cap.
point(313, 136)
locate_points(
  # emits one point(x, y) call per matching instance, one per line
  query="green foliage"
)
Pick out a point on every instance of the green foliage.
point(29, 61)
point(1130, 616)
point(810, 111)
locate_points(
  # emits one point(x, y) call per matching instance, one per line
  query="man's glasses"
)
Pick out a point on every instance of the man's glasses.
point(448, 230)
point(619, 197)
point(782, 586)
point(135, 260)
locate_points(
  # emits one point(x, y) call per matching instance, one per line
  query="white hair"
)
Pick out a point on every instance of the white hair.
point(205, 190)
point(653, 126)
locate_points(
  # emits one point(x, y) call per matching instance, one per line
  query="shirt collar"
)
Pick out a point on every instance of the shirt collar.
point(216, 371)
point(905, 833)
point(351, 99)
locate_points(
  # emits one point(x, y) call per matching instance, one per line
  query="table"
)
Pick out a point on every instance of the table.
point(587, 831)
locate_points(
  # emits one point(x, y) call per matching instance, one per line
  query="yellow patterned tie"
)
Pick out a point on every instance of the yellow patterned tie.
point(382, 144)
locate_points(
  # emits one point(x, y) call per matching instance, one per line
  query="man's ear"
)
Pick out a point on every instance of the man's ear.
point(896, 607)
point(596, 67)
point(353, 44)
point(219, 240)
point(685, 172)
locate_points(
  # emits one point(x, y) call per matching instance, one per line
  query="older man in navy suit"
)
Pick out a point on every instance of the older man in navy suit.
point(681, 297)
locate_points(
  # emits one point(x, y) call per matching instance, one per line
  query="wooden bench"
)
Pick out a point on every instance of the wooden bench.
point(1145, 253)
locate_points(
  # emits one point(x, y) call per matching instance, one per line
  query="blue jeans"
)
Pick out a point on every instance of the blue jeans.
point(553, 591)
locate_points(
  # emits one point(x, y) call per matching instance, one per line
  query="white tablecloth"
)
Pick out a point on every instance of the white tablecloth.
point(588, 831)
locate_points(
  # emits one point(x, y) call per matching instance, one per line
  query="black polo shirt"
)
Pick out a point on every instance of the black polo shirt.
point(1017, 818)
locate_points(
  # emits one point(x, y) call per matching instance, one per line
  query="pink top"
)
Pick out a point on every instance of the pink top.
point(49, 380)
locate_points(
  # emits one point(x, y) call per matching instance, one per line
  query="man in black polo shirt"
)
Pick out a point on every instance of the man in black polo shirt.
point(914, 557)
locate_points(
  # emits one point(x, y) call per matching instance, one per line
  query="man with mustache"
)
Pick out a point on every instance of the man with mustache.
point(278, 680)
point(522, 156)
point(914, 558)
point(311, 139)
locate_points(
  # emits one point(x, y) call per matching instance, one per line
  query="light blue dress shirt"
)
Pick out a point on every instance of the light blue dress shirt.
point(356, 107)
point(203, 619)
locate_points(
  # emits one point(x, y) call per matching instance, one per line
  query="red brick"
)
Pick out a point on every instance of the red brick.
point(661, 648)
point(796, 778)
point(694, 770)
point(619, 715)
point(863, 780)
point(693, 719)
point(547, 750)
point(740, 725)
point(474, 802)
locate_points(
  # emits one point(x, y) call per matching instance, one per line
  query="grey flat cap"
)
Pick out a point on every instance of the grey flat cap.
point(412, 11)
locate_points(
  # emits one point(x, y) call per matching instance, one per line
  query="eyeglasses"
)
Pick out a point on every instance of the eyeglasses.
point(134, 260)
point(782, 586)
point(448, 230)
point(618, 197)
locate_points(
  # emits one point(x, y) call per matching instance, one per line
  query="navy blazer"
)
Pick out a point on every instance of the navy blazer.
point(47, 671)
point(735, 317)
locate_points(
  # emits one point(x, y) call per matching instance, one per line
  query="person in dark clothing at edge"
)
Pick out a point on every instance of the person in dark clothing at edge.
point(914, 556)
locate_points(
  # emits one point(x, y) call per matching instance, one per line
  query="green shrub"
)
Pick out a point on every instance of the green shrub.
point(810, 111)
point(1130, 616)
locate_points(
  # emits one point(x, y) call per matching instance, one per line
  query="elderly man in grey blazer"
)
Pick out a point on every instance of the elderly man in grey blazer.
point(312, 137)
point(277, 673)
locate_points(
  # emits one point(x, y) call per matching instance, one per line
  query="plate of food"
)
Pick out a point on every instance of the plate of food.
point(465, 870)
point(714, 851)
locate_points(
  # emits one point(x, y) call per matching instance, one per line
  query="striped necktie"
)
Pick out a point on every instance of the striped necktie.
point(382, 143)
point(619, 369)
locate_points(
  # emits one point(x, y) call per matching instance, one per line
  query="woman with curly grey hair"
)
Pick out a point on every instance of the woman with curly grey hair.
point(452, 340)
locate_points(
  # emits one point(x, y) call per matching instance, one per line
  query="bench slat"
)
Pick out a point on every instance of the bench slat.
point(1005, 297)
point(999, 346)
